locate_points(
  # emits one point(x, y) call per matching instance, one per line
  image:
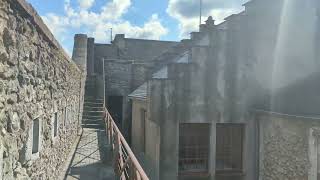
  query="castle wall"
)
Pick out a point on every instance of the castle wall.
point(140, 49)
point(37, 80)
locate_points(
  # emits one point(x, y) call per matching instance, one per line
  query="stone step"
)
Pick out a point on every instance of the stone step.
point(91, 98)
point(93, 103)
point(93, 114)
point(93, 120)
point(93, 126)
point(93, 108)
point(91, 117)
point(87, 111)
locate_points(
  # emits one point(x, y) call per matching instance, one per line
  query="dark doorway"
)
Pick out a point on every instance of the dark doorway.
point(115, 107)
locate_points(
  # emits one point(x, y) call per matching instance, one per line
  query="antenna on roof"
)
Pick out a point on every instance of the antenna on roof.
point(110, 35)
point(200, 13)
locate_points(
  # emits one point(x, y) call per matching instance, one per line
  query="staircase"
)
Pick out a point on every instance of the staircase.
point(92, 158)
point(93, 106)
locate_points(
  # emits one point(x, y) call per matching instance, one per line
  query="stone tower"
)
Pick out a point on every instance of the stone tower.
point(79, 55)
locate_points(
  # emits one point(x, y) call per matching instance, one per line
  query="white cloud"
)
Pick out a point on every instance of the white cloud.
point(85, 4)
point(187, 12)
point(115, 9)
point(56, 24)
point(98, 24)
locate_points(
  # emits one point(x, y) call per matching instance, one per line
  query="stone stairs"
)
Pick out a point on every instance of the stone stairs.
point(93, 106)
point(90, 88)
point(93, 113)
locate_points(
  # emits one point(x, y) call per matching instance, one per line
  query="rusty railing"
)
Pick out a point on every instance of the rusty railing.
point(126, 165)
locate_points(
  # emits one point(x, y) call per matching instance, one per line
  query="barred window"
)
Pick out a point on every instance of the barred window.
point(229, 147)
point(194, 148)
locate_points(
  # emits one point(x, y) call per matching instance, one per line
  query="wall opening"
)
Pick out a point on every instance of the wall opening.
point(229, 150)
point(194, 149)
point(115, 107)
point(143, 114)
point(36, 136)
point(65, 117)
point(55, 125)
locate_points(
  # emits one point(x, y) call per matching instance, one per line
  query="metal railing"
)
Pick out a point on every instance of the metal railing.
point(126, 165)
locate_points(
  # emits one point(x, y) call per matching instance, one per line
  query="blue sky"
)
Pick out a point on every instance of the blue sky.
point(149, 19)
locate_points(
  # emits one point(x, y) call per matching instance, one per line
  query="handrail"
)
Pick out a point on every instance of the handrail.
point(126, 164)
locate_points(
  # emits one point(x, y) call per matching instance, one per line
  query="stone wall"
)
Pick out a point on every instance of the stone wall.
point(138, 133)
point(118, 78)
point(284, 146)
point(37, 80)
point(140, 49)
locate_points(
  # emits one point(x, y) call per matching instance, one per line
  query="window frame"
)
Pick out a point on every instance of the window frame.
point(243, 133)
point(55, 126)
point(65, 118)
point(206, 149)
point(35, 155)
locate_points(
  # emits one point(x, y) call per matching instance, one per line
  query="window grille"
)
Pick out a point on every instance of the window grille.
point(229, 147)
point(194, 148)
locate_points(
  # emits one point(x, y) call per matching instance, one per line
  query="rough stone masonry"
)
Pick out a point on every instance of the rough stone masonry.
point(38, 82)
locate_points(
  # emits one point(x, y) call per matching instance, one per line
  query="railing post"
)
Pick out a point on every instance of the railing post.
point(111, 132)
point(122, 176)
point(116, 160)
point(132, 171)
point(122, 164)
point(108, 128)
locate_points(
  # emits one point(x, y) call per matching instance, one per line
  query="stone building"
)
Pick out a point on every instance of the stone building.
point(238, 100)
point(41, 96)
point(128, 63)
point(240, 103)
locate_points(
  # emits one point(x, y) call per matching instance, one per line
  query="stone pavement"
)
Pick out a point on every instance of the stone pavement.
point(92, 158)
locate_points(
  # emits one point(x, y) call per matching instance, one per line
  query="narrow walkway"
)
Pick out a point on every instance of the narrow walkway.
point(90, 161)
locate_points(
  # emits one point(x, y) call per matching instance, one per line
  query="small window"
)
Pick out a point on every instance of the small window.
point(229, 148)
point(65, 117)
point(72, 113)
point(55, 125)
point(194, 149)
point(36, 136)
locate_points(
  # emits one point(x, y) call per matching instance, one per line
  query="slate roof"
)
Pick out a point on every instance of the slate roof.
point(141, 92)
